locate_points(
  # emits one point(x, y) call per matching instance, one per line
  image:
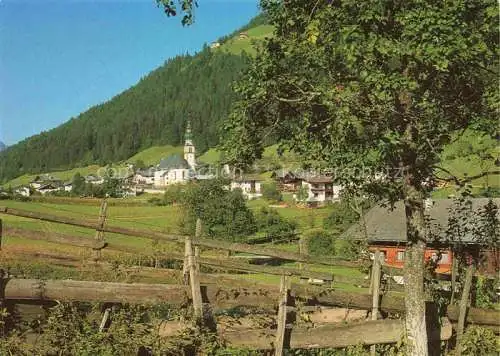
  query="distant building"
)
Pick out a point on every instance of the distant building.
point(249, 185)
point(176, 169)
point(243, 35)
point(24, 191)
point(321, 190)
point(94, 179)
point(144, 177)
point(68, 187)
point(287, 181)
point(214, 45)
point(49, 188)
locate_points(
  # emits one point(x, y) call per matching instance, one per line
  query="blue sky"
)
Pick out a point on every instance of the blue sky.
point(60, 57)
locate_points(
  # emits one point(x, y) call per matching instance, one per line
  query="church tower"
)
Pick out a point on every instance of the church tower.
point(189, 151)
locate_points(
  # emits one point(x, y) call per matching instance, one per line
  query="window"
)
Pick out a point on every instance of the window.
point(400, 256)
point(445, 259)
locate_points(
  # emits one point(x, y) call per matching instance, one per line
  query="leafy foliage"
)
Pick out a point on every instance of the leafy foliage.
point(270, 222)
point(271, 192)
point(223, 212)
point(480, 341)
point(320, 243)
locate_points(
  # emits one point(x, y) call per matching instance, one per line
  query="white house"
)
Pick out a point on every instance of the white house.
point(68, 187)
point(93, 179)
point(24, 191)
point(144, 176)
point(321, 189)
point(250, 186)
point(49, 188)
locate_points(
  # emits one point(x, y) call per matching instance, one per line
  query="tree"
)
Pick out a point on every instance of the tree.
point(271, 192)
point(224, 213)
point(320, 243)
point(274, 225)
point(376, 87)
point(78, 184)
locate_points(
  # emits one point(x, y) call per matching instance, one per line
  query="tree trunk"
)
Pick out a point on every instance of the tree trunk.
point(463, 305)
point(414, 274)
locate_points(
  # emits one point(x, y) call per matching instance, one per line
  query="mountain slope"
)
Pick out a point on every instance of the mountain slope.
point(153, 112)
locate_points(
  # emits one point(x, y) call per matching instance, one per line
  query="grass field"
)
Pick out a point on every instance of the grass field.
point(237, 45)
point(153, 155)
point(54, 257)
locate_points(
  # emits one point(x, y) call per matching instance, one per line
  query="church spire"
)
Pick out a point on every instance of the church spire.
point(188, 138)
point(189, 150)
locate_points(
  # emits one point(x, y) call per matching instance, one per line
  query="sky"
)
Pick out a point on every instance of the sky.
point(60, 57)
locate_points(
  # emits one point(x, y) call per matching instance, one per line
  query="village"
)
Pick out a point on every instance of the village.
point(316, 189)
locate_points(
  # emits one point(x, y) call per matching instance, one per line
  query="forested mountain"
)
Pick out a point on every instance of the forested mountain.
point(153, 112)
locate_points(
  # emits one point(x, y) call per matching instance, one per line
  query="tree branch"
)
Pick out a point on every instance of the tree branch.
point(462, 181)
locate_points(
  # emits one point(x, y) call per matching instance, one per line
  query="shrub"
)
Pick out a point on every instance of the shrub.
point(274, 225)
point(271, 192)
point(320, 243)
point(479, 341)
point(173, 194)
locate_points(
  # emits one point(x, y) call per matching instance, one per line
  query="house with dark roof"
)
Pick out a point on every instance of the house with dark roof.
point(385, 230)
point(144, 176)
point(287, 181)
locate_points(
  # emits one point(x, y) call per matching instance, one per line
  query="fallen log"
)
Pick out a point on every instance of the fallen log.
point(224, 292)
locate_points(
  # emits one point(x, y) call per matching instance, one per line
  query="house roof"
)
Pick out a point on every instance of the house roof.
point(319, 179)
point(145, 172)
point(384, 225)
point(247, 178)
point(173, 162)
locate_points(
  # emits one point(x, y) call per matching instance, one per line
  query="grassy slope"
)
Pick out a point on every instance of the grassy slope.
point(237, 45)
point(153, 155)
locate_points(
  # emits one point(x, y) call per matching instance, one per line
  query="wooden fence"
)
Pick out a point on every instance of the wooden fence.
point(231, 294)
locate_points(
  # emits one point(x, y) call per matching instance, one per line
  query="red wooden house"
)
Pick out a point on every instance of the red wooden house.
point(385, 230)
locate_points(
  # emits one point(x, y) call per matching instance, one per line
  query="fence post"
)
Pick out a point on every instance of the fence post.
point(376, 269)
point(99, 233)
point(280, 332)
point(469, 275)
point(194, 277)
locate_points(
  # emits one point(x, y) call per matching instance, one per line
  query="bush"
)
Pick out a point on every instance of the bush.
point(271, 192)
point(320, 243)
point(351, 250)
point(174, 194)
point(274, 225)
point(224, 213)
point(479, 341)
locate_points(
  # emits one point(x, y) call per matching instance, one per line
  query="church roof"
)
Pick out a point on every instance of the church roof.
point(173, 162)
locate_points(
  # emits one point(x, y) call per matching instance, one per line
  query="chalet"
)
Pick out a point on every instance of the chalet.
point(144, 176)
point(39, 181)
point(24, 191)
point(94, 179)
point(385, 230)
point(214, 45)
point(68, 187)
point(49, 188)
point(321, 190)
point(249, 185)
point(287, 181)
point(243, 35)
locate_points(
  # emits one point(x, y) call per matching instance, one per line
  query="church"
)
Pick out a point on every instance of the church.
point(176, 169)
